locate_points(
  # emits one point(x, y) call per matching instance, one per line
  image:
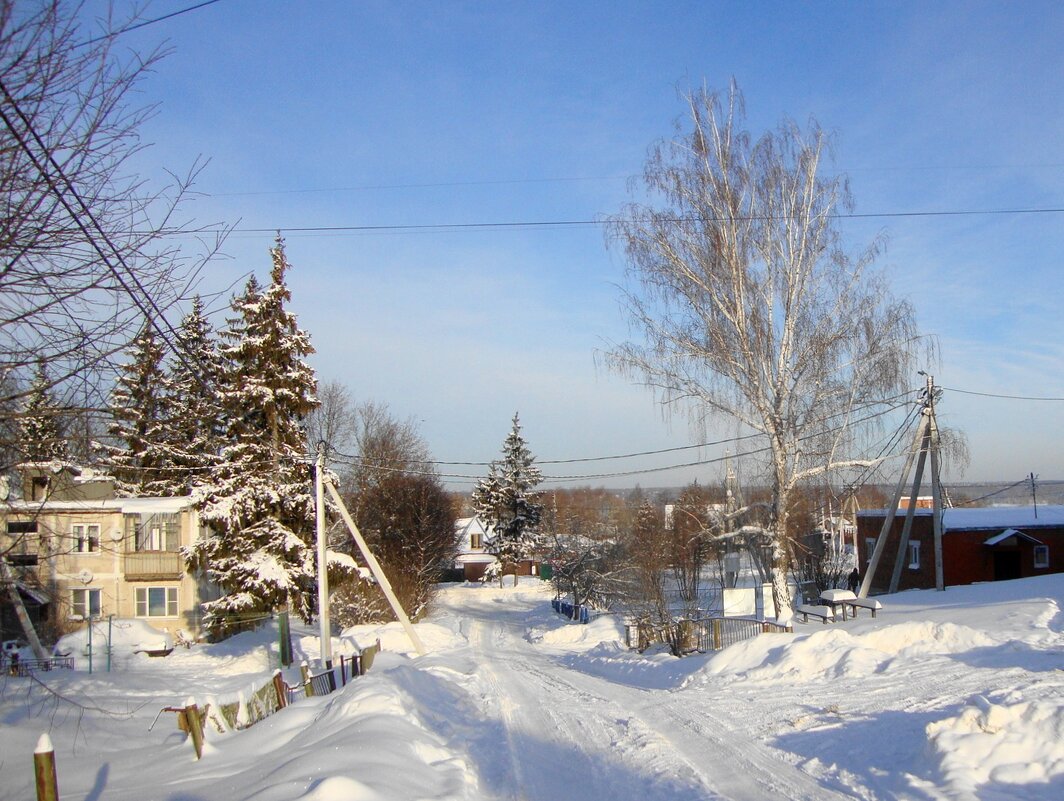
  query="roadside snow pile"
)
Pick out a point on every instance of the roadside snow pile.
point(837, 653)
point(393, 639)
point(1003, 744)
point(128, 637)
point(559, 631)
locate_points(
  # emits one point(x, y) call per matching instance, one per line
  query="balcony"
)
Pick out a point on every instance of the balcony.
point(153, 565)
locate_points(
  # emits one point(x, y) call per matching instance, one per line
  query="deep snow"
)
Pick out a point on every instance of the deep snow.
point(954, 695)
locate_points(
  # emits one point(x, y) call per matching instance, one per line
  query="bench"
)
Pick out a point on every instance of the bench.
point(861, 603)
point(837, 598)
point(825, 613)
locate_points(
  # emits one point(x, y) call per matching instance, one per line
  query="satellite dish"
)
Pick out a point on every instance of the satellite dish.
point(116, 534)
point(85, 576)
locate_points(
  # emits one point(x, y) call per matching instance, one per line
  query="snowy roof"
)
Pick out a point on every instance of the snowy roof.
point(1007, 534)
point(129, 506)
point(990, 517)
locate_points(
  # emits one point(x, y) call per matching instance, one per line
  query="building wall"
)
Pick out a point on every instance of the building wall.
point(869, 527)
point(116, 569)
point(965, 557)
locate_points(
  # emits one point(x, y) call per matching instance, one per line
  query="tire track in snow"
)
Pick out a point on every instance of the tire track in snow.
point(564, 742)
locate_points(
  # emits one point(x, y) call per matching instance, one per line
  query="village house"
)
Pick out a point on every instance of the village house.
point(78, 551)
point(473, 559)
point(978, 544)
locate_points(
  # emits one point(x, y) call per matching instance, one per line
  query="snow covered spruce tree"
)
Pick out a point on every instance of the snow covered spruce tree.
point(506, 501)
point(139, 455)
point(40, 436)
point(750, 306)
point(259, 504)
point(196, 431)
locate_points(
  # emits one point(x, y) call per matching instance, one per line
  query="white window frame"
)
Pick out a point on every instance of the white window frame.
point(914, 554)
point(870, 547)
point(1041, 557)
point(83, 599)
point(476, 541)
point(144, 606)
point(85, 540)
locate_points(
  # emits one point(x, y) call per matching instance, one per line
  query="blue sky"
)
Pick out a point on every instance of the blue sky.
point(374, 113)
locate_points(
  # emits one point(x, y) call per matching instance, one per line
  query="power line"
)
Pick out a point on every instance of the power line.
point(521, 224)
point(148, 300)
point(144, 23)
point(1005, 397)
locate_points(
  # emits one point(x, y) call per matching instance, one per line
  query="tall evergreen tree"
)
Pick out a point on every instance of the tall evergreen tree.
point(139, 455)
point(196, 433)
point(41, 436)
point(506, 499)
point(258, 504)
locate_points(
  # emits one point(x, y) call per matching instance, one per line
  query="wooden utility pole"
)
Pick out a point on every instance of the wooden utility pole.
point(325, 629)
point(925, 443)
point(375, 567)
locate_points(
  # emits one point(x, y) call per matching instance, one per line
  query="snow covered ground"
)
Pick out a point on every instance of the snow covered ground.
point(954, 695)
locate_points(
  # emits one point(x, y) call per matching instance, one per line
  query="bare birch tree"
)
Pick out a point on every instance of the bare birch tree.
point(749, 304)
point(86, 247)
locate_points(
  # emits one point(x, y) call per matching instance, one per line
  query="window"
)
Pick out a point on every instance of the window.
point(158, 532)
point(38, 488)
point(1041, 556)
point(475, 541)
point(22, 527)
point(914, 555)
point(86, 538)
point(84, 603)
point(870, 546)
point(156, 601)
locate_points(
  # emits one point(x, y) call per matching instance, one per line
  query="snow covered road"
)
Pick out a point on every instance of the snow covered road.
point(955, 696)
point(568, 734)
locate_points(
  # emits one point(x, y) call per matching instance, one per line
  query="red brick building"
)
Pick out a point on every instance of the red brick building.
point(987, 544)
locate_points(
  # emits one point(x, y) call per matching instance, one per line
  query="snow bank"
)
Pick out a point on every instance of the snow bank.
point(559, 631)
point(128, 636)
point(1003, 744)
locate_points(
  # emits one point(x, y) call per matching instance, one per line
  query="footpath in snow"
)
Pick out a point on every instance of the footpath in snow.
point(954, 695)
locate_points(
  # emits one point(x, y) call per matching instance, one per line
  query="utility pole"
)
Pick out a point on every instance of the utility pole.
point(1034, 495)
point(925, 443)
point(325, 630)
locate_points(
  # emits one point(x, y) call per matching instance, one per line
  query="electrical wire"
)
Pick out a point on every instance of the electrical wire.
point(520, 224)
point(144, 23)
point(996, 395)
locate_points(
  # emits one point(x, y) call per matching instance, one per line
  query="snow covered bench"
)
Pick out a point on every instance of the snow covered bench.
point(862, 603)
point(825, 613)
point(837, 598)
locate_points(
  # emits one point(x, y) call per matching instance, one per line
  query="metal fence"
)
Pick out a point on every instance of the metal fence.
point(701, 635)
point(24, 667)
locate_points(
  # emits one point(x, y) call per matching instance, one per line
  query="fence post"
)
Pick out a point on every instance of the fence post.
point(44, 770)
point(279, 688)
point(716, 634)
point(343, 672)
point(195, 726)
point(304, 671)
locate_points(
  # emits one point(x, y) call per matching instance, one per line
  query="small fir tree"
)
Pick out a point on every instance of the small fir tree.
point(258, 505)
point(41, 435)
point(506, 500)
point(140, 456)
point(196, 434)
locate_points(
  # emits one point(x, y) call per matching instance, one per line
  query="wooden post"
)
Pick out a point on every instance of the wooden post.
point(903, 544)
point(716, 634)
point(343, 672)
point(195, 726)
point(279, 688)
point(44, 770)
point(304, 671)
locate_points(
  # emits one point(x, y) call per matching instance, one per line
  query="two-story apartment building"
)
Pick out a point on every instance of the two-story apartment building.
point(79, 551)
